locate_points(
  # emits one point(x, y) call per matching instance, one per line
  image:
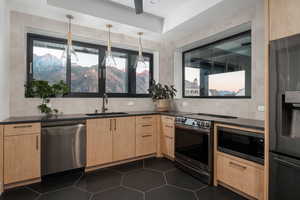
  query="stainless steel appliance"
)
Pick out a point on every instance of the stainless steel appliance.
point(194, 147)
point(285, 118)
point(243, 144)
point(63, 146)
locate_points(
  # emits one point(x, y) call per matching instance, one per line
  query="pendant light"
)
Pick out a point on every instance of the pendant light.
point(109, 60)
point(69, 51)
point(140, 61)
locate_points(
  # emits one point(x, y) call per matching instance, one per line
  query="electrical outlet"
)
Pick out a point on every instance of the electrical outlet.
point(261, 108)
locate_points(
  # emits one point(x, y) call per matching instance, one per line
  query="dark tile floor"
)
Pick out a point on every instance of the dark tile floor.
point(150, 179)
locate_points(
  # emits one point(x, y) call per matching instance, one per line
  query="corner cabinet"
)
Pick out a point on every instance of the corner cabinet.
point(168, 136)
point(110, 140)
point(22, 152)
point(284, 18)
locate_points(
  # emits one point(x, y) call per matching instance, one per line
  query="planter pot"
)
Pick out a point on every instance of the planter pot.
point(163, 105)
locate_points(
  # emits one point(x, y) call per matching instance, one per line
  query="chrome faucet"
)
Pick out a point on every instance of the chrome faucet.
point(104, 102)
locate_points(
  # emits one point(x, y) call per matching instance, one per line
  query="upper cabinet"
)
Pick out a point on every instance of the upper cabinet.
point(284, 18)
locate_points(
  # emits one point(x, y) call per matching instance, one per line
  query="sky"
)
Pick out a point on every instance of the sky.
point(230, 81)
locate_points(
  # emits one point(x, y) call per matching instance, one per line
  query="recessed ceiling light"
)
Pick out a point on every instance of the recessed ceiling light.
point(154, 1)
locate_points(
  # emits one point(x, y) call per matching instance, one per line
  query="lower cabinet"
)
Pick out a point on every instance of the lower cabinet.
point(146, 135)
point(168, 136)
point(243, 175)
point(110, 140)
point(22, 158)
point(124, 138)
point(99, 142)
point(1, 160)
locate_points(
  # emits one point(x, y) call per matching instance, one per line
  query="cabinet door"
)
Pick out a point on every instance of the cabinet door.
point(123, 138)
point(22, 158)
point(284, 18)
point(1, 159)
point(99, 141)
point(168, 146)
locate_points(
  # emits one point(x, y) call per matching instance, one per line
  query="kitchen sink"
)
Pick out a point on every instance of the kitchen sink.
point(107, 113)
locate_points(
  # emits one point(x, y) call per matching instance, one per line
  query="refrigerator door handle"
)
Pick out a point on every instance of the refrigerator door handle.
point(287, 163)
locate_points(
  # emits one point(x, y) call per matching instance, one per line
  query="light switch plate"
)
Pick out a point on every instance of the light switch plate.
point(261, 108)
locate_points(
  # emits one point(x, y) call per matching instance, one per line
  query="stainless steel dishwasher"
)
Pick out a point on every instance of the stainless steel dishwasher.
point(63, 146)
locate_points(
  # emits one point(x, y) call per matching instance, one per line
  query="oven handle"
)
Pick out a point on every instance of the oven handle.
point(198, 130)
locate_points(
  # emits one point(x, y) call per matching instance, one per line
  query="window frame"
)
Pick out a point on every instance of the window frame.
point(207, 45)
point(31, 37)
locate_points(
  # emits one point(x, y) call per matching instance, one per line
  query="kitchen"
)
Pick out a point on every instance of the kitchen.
point(99, 135)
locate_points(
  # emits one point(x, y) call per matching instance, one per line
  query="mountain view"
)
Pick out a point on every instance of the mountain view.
point(85, 79)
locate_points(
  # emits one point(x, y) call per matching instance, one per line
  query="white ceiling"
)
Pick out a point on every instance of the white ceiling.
point(156, 7)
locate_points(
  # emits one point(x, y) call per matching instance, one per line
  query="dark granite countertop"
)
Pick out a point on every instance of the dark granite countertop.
point(249, 123)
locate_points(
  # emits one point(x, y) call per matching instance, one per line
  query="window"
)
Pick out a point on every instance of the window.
point(219, 70)
point(87, 77)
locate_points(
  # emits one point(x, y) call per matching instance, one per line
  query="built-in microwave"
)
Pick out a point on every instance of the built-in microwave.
point(240, 143)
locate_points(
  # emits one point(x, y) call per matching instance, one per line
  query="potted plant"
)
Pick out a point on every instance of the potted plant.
point(43, 90)
point(161, 95)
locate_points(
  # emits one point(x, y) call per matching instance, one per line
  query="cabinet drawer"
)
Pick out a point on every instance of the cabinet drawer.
point(146, 119)
point(21, 129)
point(168, 130)
point(145, 144)
point(167, 119)
point(144, 128)
point(240, 175)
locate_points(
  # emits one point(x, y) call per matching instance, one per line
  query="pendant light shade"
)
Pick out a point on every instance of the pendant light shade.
point(69, 51)
point(109, 60)
point(140, 61)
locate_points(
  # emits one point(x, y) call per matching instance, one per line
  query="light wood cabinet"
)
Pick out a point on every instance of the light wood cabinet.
point(110, 140)
point(146, 128)
point(123, 138)
point(22, 156)
point(99, 141)
point(1, 159)
point(284, 18)
point(243, 175)
point(168, 136)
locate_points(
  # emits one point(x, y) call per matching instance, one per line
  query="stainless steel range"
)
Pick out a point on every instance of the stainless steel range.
point(194, 147)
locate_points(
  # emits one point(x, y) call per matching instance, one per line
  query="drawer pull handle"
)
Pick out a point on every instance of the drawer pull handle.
point(168, 137)
point(237, 165)
point(168, 126)
point(147, 118)
point(146, 125)
point(24, 126)
point(144, 136)
point(37, 143)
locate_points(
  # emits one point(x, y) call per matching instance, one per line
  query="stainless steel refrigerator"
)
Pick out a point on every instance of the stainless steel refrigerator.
point(285, 119)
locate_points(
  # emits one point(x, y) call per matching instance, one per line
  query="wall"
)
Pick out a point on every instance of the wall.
point(223, 23)
point(4, 60)
point(21, 106)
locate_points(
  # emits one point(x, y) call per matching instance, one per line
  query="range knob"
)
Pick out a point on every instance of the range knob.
point(200, 124)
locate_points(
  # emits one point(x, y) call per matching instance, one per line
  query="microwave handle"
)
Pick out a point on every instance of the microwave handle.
point(241, 132)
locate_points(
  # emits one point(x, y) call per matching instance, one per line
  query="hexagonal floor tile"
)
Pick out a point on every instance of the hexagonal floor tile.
point(57, 181)
point(218, 193)
point(170, 193)
point(66, 193)
point(183, 180)
point(99, 180)
point(160, 164)
point(127, 167)
point(19, 194)
point(119, 193)
point(143, 179)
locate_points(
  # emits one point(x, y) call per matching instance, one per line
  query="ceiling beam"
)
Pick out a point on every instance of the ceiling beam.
point(112, 11)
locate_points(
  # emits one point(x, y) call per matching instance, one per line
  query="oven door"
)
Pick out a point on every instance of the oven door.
point(194, 146)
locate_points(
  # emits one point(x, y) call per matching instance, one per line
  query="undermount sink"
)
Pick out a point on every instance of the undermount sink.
point(107, 113)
